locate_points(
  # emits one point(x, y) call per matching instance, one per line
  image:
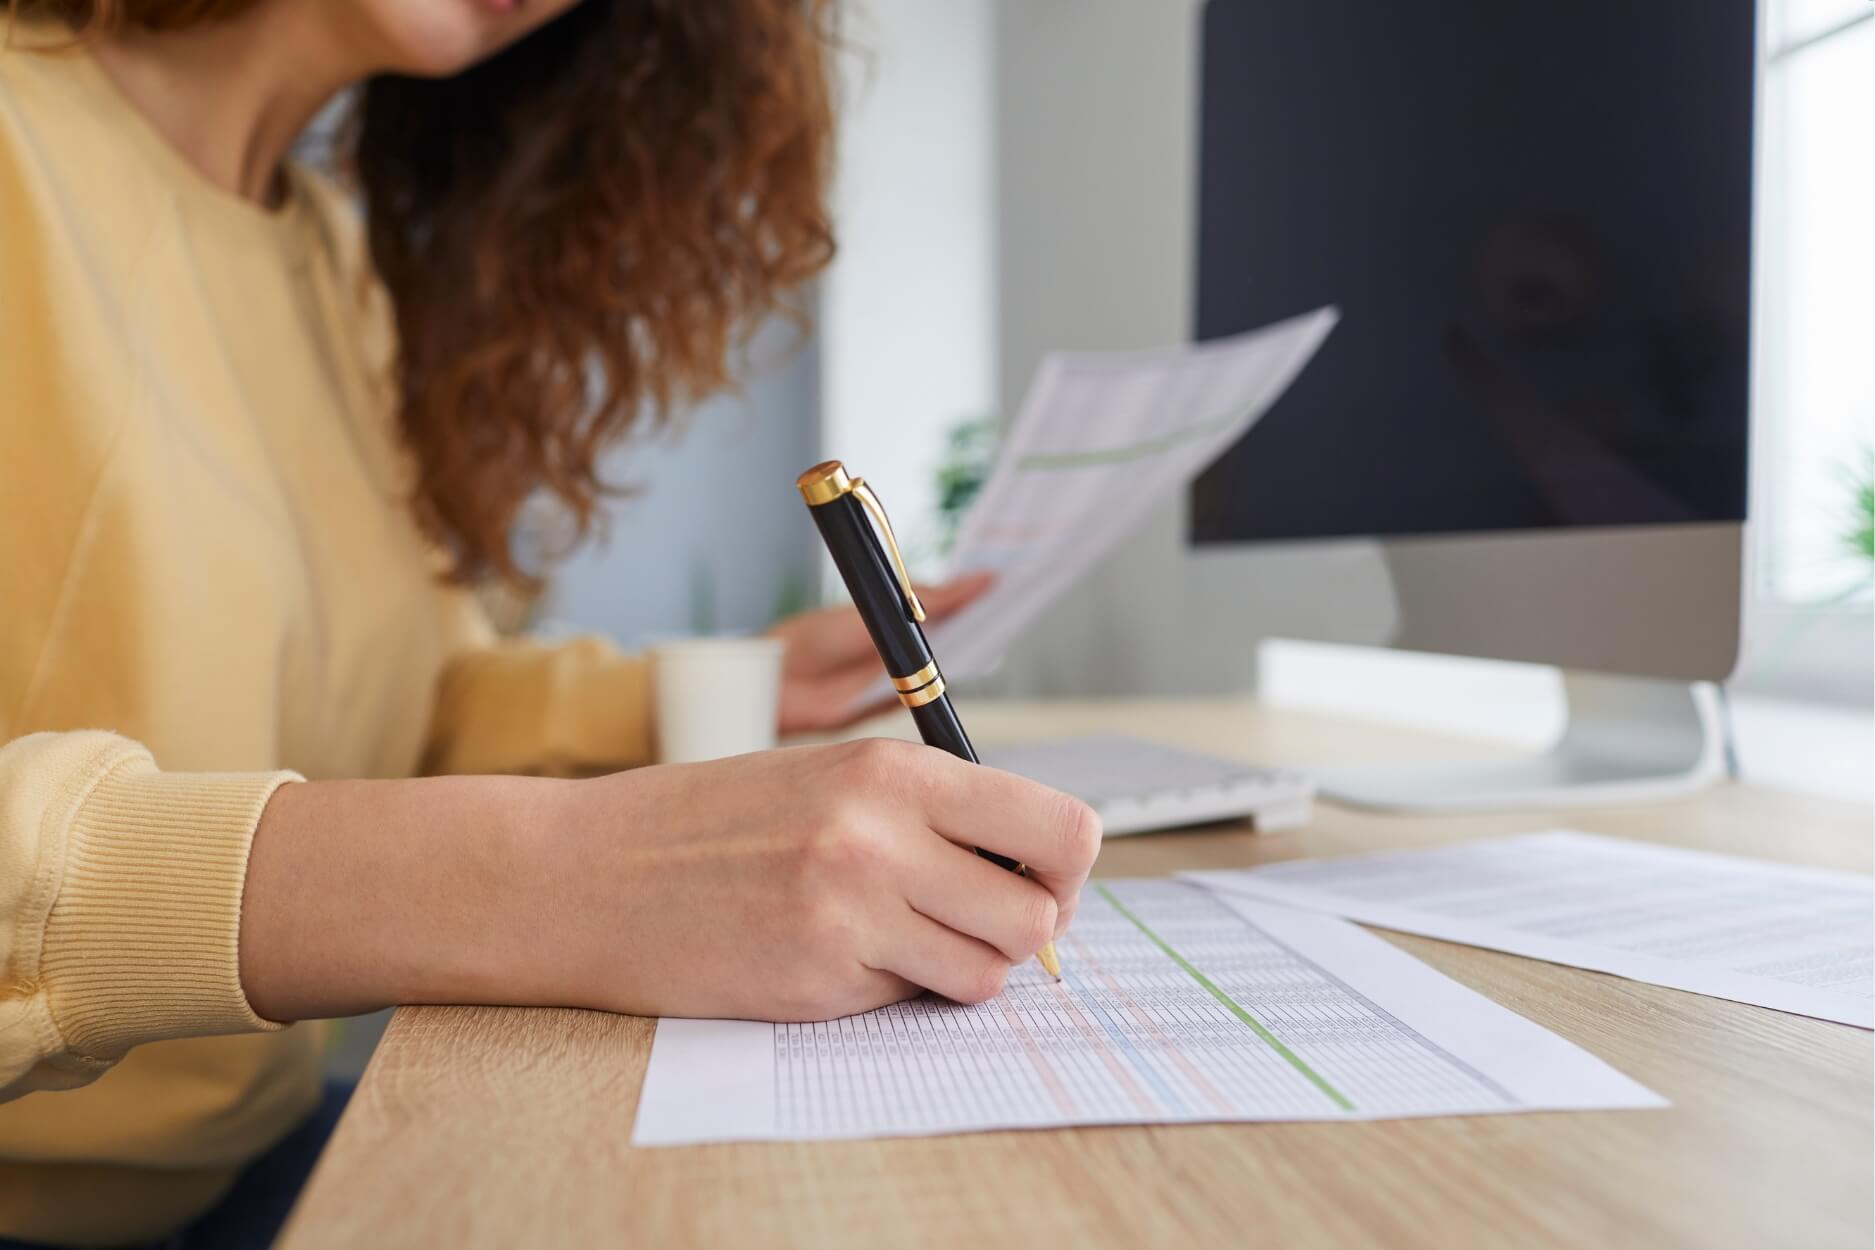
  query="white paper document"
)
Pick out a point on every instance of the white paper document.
point(1176, 1006)
point(1790, 938)
point(1100, 440)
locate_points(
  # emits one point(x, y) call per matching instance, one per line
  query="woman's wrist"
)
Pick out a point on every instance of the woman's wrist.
point(365, 894)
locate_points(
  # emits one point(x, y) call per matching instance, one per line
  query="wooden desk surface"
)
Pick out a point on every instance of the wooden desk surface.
point(511, 1127)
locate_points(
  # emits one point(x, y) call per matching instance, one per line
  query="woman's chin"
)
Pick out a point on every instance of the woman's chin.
point(438, 38)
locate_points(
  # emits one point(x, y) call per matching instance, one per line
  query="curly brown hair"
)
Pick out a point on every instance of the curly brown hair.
point(576, 233)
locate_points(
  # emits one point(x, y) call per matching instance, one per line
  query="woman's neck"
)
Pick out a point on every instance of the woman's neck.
point(232, 96)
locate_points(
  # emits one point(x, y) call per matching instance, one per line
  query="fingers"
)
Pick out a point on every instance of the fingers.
point(942, 600)
point(965, 892)
point(1056, 835)
point(913, 805)
point(959, 967)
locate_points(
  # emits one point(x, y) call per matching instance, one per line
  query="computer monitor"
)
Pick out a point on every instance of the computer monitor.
point(1536, 219)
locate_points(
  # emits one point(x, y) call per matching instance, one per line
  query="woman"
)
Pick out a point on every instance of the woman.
point(249, 458)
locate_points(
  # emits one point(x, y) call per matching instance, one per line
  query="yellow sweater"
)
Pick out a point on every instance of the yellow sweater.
point(209, 582)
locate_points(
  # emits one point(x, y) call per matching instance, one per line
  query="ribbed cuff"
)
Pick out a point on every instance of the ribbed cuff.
point(143, 941)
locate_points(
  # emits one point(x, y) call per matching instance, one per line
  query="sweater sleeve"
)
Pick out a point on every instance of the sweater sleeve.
point(120, 904)
point(120, 886)
point(525, 706)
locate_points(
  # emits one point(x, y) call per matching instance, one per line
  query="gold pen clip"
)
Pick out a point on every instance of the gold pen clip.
point(871, 503)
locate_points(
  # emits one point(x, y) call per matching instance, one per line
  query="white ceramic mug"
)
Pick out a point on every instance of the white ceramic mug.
point(715, 696)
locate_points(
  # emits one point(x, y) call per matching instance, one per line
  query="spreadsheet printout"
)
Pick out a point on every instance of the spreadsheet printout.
point(1791, 938)
point(1176, 1006)
point(1100, 440)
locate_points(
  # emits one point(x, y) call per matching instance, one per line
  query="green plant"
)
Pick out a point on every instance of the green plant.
point(969, 451)
point(1859, 476)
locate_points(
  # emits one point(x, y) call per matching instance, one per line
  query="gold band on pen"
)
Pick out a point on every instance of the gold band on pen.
point(922, 695)
point(923, 677)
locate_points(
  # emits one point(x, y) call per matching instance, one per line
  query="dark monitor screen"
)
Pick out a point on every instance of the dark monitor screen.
point(1535, 216)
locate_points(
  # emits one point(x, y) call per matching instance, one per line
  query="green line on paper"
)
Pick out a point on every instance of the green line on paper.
point(1118, 455)
point(1231, 1004)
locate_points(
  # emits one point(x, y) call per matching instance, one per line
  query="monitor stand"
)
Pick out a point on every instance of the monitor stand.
point(1627, 740)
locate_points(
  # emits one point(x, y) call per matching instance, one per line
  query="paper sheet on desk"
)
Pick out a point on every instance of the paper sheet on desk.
point(1177, 1006)
point(1100, 440)
point(1793, 939)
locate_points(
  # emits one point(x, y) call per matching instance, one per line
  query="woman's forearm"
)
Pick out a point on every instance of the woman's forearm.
point(798, 884)
point(363, 894)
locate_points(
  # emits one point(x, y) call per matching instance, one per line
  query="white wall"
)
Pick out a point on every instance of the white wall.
point(908, 340)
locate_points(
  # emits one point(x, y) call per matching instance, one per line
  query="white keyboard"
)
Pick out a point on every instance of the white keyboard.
point(1141, 786)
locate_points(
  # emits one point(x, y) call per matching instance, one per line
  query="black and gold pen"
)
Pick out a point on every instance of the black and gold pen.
point(845, 510)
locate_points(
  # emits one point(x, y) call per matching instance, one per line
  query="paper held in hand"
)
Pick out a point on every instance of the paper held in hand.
point(1101, 439)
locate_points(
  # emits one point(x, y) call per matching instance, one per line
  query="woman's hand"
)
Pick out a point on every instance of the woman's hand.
point(784, 885)
point(830, 659)
point(813, 882)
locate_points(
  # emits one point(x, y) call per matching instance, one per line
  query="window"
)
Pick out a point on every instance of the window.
point(1808, 611)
